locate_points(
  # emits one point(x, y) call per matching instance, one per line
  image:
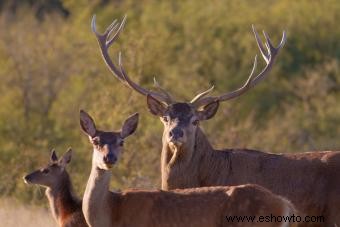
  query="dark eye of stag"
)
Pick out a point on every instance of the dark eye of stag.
point(165, 118)
point(96, 142)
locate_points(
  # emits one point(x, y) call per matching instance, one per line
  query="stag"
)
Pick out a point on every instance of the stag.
point(199, 207)
point(188, 159)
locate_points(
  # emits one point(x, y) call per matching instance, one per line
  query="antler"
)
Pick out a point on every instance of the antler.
point(105, 40)
point(268, 55)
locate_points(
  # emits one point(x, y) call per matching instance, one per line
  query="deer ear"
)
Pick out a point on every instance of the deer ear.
point(130, 125)
point(66, 158)
point(155, 107)
point(208, 111)
point(87, 124)
point(53, 157)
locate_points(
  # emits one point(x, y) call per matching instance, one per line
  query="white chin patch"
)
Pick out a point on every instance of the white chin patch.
point(105, 166)
point(175, 145)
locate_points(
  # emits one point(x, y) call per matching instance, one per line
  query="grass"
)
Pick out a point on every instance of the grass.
point(14, 214)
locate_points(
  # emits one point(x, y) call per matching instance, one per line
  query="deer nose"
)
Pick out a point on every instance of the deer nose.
point(27, 179)
point(110, 158)
point(176, 133)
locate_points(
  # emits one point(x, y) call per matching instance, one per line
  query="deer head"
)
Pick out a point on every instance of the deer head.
point(53, 173)
point(181, 119)
point(107, 146)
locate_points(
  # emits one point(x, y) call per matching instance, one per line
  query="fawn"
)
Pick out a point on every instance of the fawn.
point(65, 206)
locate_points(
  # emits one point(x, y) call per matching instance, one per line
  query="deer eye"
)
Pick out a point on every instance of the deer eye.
point(195, 122)
point(45, 171)
point(165, 118)
point(95, 142)
point(121, 143)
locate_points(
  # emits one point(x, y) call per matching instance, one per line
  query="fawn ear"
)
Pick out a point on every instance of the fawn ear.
point(66, 158)
point(208, 111)
point(53, 157)
point(155, 107)
point(129, 125)
point(87, 124)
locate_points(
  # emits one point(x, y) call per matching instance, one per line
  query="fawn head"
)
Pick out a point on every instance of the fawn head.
point(53, 173)
point(107, 146)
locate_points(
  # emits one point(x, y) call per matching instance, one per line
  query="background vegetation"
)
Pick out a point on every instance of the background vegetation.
point(50, 67)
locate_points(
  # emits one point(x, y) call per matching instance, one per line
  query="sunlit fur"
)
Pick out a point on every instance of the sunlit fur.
point(65, 206)
point(197, 207)
point(103, 144)
point(309, 180)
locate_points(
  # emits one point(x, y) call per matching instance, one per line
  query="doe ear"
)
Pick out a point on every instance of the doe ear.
point(53, 157)
point(66, 158)
point(208, 111)
point(87, 124)
point(129, 125)
point(155, 107)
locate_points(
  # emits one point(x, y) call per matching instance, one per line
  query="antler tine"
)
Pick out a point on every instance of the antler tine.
point(138, 88)
point(200, 101)
point(202, 94)
point(116, 35)
point(104, 44)
point(260, 45)
point(105, 40)
point(272, 53)
point(268, 55)
point(167, 94)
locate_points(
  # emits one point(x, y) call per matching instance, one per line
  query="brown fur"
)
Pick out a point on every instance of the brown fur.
point(65, 206)
point(309, 180)
point(199, 207)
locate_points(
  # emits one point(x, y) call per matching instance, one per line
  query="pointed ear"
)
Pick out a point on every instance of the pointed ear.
point(53, 157)
point(130, 125)
point(208, 111)
point(66, 158)
point(156, 107)
point(87, 124)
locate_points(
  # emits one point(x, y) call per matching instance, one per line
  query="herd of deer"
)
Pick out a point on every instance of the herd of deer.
point(201, 186)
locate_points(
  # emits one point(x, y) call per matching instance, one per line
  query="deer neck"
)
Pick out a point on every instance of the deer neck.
point(97, 198)
point(62, 200)
point(180, 167)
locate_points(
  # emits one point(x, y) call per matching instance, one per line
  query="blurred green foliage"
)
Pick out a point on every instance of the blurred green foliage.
point(51, 67)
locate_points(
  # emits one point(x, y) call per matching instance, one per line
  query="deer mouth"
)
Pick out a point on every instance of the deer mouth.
point(109, 165)
point(175, 144)
point(105, 166)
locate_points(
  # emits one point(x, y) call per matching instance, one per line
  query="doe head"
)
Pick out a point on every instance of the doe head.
point(107, 145)
point(53, 173)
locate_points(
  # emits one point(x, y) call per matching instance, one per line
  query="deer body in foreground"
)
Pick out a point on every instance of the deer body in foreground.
point(65, 206)
point(199, 207)
point(309, 180)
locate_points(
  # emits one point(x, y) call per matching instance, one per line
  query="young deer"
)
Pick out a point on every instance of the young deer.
point(188, 159)
point(188, 207)
point(65, 206)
